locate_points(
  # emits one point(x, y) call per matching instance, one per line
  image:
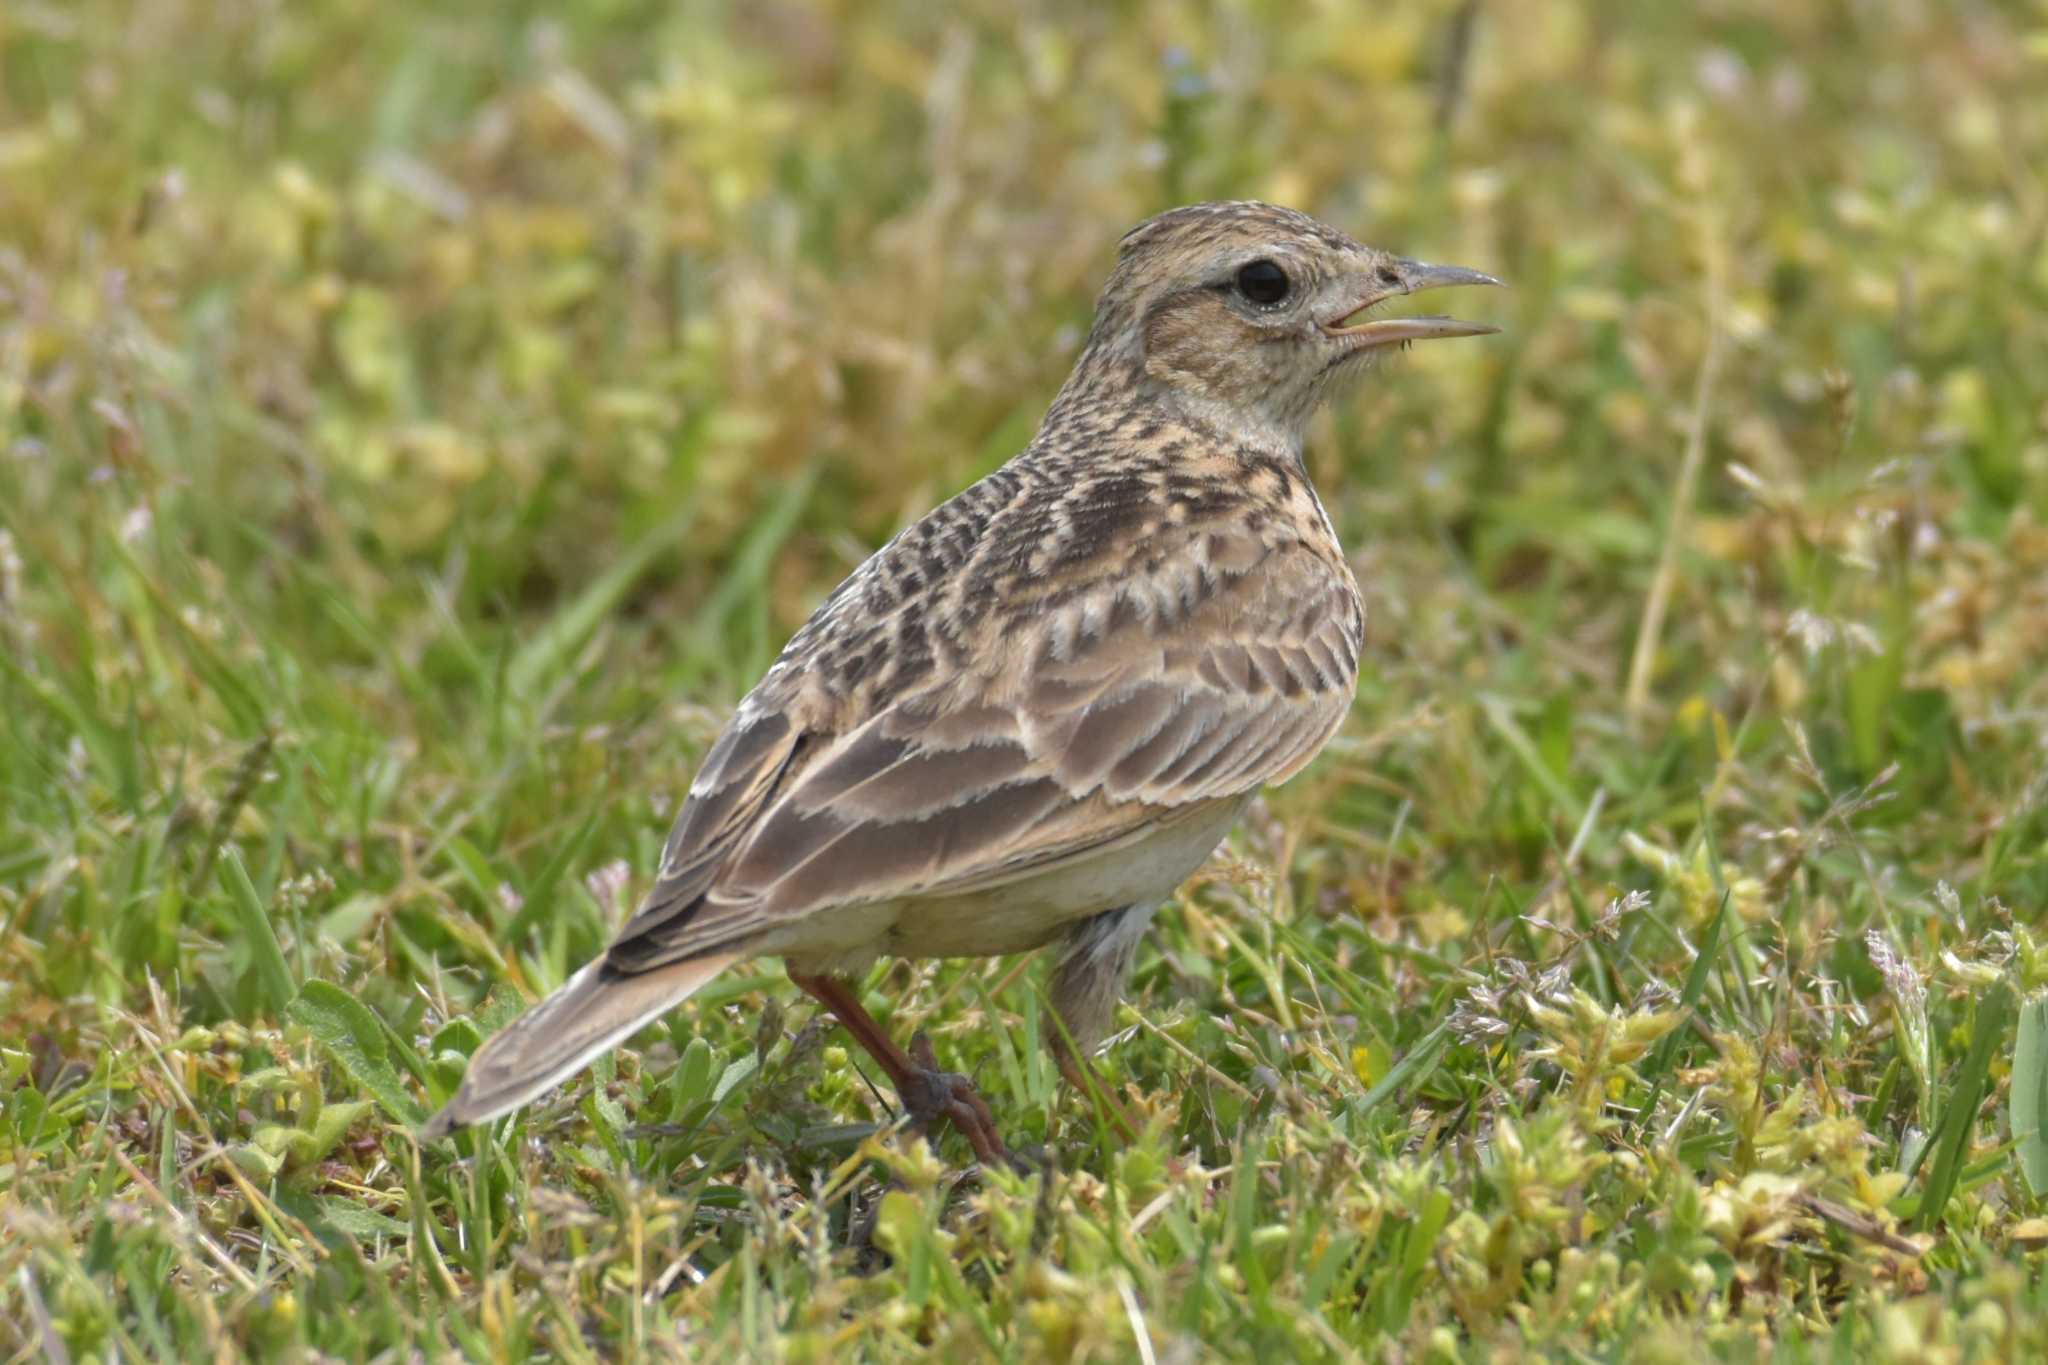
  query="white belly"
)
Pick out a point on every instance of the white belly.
point(1012, 917)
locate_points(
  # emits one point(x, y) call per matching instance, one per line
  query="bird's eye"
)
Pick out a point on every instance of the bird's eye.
point(1389, 276)
point(1263, 283)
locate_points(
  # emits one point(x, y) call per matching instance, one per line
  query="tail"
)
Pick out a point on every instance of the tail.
point(599, 1008)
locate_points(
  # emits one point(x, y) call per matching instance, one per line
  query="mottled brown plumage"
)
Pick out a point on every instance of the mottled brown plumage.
point(1034, 712)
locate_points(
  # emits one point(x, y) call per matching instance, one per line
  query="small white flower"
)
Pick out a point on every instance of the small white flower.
point(607, 884)
point(1815, 633)
point(1951, 904)
point(1900, 976)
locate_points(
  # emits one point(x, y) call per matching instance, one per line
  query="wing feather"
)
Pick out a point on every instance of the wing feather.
point(1139, 701)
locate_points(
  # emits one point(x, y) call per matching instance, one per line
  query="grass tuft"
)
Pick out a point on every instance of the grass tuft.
point(417, 430)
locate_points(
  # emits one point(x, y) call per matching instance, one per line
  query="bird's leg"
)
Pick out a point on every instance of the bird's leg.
point(1085, 986)
point(927, 1093)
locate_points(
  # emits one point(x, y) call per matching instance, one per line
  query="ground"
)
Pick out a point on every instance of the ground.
point(419, 424)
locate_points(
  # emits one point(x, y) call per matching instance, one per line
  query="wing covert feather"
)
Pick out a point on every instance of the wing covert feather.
point(1129, 706)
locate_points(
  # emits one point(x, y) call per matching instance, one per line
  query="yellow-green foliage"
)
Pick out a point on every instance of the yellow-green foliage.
point(419, 423)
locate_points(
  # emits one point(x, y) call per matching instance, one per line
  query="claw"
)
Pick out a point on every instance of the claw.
point(927, 1093)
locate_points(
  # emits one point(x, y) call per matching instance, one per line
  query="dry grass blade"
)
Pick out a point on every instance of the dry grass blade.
point(1685, 488)
point(415, 435)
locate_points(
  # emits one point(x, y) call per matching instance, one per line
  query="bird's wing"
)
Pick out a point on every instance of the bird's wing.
point(1140, 699)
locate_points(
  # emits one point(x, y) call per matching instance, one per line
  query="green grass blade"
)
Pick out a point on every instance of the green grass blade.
point(273, 973)
point(1959, 1120)
point(2029, 1097)
point(1502, 719)
point(1660, 1062)
point(541, 658)
point(1416, 1064)
point(540, 894)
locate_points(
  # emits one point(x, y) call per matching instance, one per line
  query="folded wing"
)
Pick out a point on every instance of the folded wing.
point(1127, 702)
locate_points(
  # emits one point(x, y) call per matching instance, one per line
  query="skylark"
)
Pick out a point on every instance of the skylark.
point(1031, 715)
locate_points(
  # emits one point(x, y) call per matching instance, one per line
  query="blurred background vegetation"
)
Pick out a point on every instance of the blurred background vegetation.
point(420, 423)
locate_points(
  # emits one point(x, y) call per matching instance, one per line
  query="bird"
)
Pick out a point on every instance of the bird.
point(1034, 712)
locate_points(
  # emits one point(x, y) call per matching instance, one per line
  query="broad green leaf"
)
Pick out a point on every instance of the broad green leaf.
point(733, 1074)
point(692, 1080)
point(339, 1215)
point(344, 1026)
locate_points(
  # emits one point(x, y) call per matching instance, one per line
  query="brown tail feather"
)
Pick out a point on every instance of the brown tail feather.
point(591, 1014)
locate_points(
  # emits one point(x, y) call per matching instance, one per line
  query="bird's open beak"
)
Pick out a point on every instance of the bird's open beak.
point(1415, 276)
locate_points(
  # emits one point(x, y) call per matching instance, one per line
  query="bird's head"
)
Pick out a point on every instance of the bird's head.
point(1248, 313)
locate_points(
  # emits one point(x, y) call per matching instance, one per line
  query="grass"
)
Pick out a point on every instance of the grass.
point(419, 425)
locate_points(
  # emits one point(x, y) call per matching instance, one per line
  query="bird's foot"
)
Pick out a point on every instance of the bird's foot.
point(929, 1094)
